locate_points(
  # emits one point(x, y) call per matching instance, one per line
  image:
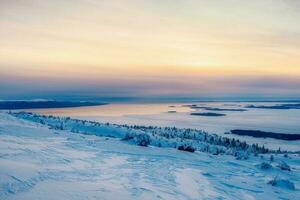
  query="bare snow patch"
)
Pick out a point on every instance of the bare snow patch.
point(193, 185)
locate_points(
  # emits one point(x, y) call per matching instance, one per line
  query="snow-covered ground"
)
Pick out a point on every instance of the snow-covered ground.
point(41, 163)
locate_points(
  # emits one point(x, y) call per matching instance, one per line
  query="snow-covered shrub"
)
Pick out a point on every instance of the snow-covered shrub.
point(181, 148)
point(271, 158)
point(241, 155)
point(214, 150)
point(190, 149)
point(265, 165)
point(283, 183)
point(283, 166)
point(142, 139)
point(186, 148)
point(60, 126)
point(127, 136)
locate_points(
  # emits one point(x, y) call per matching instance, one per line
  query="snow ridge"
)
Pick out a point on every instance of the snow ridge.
point(182, 139)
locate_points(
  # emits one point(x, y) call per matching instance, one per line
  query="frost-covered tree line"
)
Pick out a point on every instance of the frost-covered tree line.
point(180, 138)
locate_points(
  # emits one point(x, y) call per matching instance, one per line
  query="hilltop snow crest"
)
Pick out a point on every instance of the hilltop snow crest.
point(182, 139)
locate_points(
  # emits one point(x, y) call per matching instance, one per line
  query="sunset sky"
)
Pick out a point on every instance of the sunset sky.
point(149, 48)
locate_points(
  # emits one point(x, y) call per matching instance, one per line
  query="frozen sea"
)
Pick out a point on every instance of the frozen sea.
point(178, 115)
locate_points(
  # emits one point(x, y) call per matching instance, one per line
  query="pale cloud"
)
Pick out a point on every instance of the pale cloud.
point(89, 40)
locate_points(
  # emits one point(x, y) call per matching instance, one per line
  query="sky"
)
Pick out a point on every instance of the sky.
point(149, 48)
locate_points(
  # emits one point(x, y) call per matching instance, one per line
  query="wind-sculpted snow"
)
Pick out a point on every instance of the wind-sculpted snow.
point(151, 135)
point(42, 162)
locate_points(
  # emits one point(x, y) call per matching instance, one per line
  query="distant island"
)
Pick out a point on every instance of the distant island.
point(172, 111)
point(209, 114)
point(226, 109)
point(263, 134)
point(278, 106)
point(11, 105)
point(216, 109)
point(222, 109)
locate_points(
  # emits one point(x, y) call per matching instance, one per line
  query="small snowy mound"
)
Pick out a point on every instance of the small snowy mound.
point(142, 140)
point(265, 166)
point(284, 166)
point(282, 183)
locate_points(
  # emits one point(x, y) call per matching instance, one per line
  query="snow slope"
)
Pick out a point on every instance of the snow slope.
point(153, 135)
point(41, 163)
